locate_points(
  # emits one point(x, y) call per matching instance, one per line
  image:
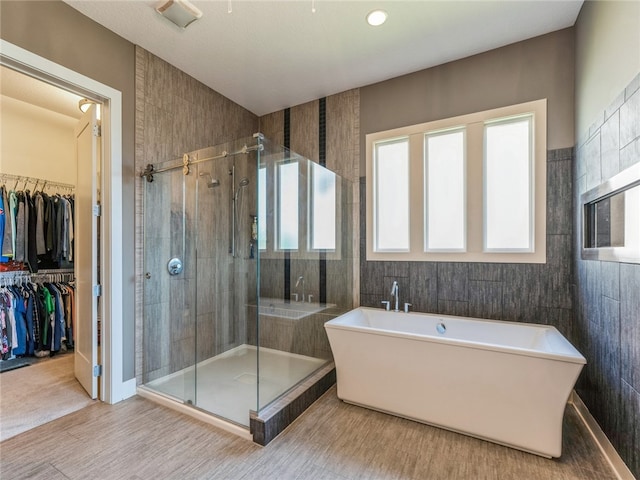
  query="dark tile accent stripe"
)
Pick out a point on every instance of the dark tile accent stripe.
point(274, 419)
point(322, 159)
point(287, 254)
point(287, 128)
point(322, 132)
point(322, 270)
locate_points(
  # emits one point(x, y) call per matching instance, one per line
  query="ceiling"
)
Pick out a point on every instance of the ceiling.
point(36, 92)
point(269, 55)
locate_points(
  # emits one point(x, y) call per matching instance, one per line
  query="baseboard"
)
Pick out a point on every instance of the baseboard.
point(129, 388)
point(613, 458)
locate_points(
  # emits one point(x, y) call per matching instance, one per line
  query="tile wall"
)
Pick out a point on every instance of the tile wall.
point(539, 293)
point(607, 294)
point(177, 114)
point(342, 157)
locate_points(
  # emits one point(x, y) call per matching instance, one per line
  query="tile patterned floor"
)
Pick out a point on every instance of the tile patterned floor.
point(137, 439)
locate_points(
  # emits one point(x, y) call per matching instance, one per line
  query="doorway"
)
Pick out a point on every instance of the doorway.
point(109, 367)
point(50, 163)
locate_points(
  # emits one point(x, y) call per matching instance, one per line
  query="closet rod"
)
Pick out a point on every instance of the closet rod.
point(38, 181)
point(22, 276)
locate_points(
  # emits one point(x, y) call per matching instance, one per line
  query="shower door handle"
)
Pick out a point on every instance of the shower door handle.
point(174, 266)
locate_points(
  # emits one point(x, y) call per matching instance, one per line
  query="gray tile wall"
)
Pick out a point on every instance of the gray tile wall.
point(177, 114)
point(607, 294)
point(539, 293)
point(307, 336)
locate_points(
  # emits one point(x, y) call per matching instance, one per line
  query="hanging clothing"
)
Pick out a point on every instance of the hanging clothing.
point(13, 210)
point(7, 239)
point(41, 249)
point(41, 232)
point(3, 258)
point(30, 240)
point(36, 319)
point(19, 248)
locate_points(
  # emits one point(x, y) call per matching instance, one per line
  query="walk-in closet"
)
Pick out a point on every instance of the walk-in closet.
point(42, 236)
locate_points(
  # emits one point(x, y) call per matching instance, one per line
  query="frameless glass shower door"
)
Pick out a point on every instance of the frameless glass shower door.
point(169, 327)
point(245, 260)
point(200, 274)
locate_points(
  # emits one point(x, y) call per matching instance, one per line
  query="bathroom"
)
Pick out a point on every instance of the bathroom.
point(536, 293)
point(581, 298)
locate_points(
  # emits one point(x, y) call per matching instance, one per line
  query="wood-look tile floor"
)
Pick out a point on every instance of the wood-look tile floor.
point(137, 439)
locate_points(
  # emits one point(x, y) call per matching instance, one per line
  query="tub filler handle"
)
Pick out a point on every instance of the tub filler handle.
point(387, 305)
point(406, 307)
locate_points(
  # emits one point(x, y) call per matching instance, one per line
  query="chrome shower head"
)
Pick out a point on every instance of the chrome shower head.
point(212, 182)
point(243, 183)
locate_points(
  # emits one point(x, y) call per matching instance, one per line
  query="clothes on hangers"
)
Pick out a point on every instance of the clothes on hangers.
point(36, 229)
point(7, 239)
point(36, 319)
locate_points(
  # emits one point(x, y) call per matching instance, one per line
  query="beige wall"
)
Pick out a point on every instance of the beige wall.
point(607, 56)
point(36, 142)
point(57, 32)
point(541, 67)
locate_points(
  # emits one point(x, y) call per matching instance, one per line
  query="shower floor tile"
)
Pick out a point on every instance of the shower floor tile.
point(226, 384)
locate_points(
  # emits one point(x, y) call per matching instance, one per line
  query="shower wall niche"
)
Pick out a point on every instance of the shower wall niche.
point(245, 259)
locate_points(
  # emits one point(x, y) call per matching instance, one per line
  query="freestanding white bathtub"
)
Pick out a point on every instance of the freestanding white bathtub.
point(500, 381)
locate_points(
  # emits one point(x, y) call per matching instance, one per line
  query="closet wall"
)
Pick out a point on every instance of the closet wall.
point(36, 141)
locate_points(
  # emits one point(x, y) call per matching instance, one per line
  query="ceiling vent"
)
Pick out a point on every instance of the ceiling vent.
point(180, 12)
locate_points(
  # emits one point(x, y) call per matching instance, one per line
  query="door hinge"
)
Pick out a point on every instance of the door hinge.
point(97, 210)
point(97, 290)
point(97, 370)
point(97, 130)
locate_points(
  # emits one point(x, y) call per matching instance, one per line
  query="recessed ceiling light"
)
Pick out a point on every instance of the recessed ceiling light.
point(377, 17)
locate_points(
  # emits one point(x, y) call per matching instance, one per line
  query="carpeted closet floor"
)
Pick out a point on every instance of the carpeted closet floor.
point(39, 393)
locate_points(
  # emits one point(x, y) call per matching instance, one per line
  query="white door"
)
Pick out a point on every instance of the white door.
point(86, 254)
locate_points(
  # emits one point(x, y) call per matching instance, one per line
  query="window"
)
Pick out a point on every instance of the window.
point(288, 206)
point(445, 191)
point(391, 183)
point(299, 208)
point(322, 208)
point(470, 188)
point(508, 209)
point(262, 208)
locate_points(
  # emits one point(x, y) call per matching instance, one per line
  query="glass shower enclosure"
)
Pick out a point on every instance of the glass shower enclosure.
point(244, 261)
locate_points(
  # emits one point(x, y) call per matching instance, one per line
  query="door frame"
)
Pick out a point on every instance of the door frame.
point(113, 388)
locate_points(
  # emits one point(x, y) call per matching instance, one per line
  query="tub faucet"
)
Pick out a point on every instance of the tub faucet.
point(395, 294)
point(301, 280)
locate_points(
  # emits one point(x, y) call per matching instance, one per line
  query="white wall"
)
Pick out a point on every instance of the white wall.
point(36, 142)
point(607, 56)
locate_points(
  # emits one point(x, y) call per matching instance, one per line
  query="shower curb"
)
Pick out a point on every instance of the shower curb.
point(273, 419)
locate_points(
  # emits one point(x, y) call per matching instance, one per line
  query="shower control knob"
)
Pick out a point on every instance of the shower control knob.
point(174, 266)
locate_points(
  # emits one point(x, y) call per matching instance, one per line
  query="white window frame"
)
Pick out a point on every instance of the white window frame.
point(532, 191)
point(474, 124)
point(278, 210)
point(305, 191)
point(375, 188)
point(436, 133)
point(310, 211)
